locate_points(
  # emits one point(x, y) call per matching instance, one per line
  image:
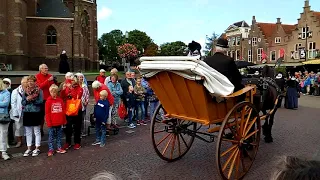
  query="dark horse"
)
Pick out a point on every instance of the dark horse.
point(266, 99)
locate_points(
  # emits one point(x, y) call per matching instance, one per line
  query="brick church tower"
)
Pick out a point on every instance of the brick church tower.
point(37, 31)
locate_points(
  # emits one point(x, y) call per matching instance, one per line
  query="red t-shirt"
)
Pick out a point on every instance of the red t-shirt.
point(55, 114)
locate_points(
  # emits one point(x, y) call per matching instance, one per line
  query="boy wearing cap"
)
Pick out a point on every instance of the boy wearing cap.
point(102, 76)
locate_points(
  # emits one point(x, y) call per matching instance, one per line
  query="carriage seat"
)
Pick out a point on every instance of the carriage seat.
point(189, 68)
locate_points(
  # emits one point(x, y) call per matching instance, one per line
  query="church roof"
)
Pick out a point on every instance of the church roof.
point(53, 8)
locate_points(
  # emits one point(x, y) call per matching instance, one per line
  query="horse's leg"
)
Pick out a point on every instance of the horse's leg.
point(265, 125)
point(269, 138)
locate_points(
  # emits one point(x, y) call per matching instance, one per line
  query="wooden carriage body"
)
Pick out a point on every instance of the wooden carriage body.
point(189, 100)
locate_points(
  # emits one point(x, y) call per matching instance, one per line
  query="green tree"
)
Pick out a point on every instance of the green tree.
point(151, 50)
point(108, 44)
point(210, 43)
point(140, 39)
point(177, 48)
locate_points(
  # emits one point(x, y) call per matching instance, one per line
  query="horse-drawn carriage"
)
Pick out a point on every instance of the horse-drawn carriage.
point(190, 109)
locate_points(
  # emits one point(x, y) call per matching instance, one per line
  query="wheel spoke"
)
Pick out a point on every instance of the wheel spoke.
point(229, 159)
point(247, 121)
point(241, 121)
point(167, 145)
point(229, 150)
point(237, 166)
point(250, 126)
point(164, 138)
point(230, 140)
point(160, 131)
point(184, 141)
point(232, 163)
point(179, 148)
point(247, 153)
point(173, 144)
point(251, 134)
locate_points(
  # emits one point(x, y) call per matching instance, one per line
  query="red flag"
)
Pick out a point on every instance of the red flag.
point(264, 55)
point(281, 53)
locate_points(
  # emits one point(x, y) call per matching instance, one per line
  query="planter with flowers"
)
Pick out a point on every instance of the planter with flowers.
point(128, 51)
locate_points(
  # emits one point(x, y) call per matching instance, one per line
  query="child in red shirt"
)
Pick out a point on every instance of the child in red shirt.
point(55, 117)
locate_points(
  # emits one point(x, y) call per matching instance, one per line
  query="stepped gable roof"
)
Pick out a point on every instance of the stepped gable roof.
point(53, 8)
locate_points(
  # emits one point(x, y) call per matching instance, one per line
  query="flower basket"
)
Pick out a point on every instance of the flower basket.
point(127, 51)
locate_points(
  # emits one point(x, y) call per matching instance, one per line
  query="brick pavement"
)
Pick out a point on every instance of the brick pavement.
point(131, 156)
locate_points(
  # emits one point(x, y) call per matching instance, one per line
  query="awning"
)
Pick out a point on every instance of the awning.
point(282, 65)
point(316, 61)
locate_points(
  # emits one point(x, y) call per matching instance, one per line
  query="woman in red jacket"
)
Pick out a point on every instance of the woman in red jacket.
point(74, 123)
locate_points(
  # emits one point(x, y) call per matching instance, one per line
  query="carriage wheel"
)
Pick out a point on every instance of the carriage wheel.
point(238, 141)
point(171, 138)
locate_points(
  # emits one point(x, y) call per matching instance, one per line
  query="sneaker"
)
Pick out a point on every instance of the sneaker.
point(131, 126)
point(138, 123)
point(5, 156)
point(143, 123)
point(83, 135)
point(102, 144)
point(50, 153)
point(61, 151)
point(27, 153)
point(76, 146)
point(96, 143)
point(35, 152)
point(66, 146)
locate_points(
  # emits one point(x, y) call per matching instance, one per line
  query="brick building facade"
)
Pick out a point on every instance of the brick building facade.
point(36, 31)
point(305, 39)
point(299, 41)
point(268, 38)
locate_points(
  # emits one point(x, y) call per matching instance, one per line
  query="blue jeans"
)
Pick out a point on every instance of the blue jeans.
point(130, 115)
point(101, 131)
point(140, 107)
point(153, 106)
point(55, 133)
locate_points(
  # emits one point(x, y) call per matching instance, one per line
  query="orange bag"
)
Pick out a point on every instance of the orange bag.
point(122, 111)
point(72, 107)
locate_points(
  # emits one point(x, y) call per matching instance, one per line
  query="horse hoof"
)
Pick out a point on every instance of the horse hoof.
point(268, 139)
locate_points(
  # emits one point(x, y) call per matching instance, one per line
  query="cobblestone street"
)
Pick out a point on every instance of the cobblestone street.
point(130, 154)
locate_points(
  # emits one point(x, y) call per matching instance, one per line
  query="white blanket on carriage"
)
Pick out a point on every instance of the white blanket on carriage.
point(188, 67)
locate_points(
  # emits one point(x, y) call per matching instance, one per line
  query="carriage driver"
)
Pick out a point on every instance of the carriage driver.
point(224, 64)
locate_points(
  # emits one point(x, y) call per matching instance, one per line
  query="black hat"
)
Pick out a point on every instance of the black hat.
point(222, 43)
point(194, 46)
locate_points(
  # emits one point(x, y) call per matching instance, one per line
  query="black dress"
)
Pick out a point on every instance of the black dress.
point(64, 65)
point(292, 95)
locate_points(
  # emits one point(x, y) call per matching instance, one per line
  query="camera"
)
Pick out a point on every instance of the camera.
point(55, 79)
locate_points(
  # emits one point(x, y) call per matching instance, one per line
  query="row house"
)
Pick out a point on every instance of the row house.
point(268, 38)
point(304, 43)
point(236, 35)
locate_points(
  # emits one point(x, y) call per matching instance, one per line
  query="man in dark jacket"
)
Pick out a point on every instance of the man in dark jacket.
point(224, 64)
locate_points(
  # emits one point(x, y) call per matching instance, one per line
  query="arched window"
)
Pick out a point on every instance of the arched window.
point(51, 35)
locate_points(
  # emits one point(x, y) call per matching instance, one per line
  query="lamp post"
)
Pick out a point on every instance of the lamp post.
point(72, 53)
point(127, 64)
point(306, 49)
